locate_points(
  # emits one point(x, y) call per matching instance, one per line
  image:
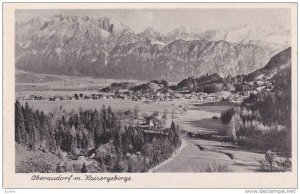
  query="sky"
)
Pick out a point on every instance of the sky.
point(165, 20)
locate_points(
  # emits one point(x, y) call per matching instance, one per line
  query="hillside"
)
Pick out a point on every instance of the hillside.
point(277, 63)
point(34, 161)
point(206, 83)
point(25, 77)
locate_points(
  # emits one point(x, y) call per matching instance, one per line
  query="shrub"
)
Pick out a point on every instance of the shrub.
point(226, 115)
point(216, 167)
point(215, 118)
point(264, 167)
point(281, 165)
point(104, 152)
point(270, 157)
point(234, 127)
point(83, 168)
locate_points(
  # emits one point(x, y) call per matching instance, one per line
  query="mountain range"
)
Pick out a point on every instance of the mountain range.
point(105, 48)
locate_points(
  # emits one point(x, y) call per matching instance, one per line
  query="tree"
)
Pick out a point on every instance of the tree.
point(136, 112)
point(173, 114)
point(174, 134)
point(117, 137)
point(58, 168)
point(117, 167)
point(76, 96)
point(72, 137)
point(234, 126)
point(79, 135)
point(103, 117)
point(30, 127)
point(19, 124)
point(164, 118)
point(28, 121)
point(129, 167)
point(270, 157)
point(83, 168)
point(44, 130)
point(227, 115)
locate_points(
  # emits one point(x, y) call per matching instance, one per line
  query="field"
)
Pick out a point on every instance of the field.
point(116, 105)
point(26, 83)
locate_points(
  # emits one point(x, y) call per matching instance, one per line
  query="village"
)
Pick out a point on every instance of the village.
point(155, 96)
point(138, 96)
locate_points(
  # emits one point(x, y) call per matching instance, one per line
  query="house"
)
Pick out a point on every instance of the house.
point(31, 97)
point(55, 98)
point(150, 134)
point(260, 88)
point(38, 98)
point(76, 96)
point(110, 97)
point(123, 91)
point(86, 97)
point(69, 98)
point(150, 123)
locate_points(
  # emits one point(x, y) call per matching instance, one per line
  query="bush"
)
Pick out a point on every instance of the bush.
point(265, 167)
point(83, 168)
point(215, 118)
point(226, 115)
point(270, 157)
point(104, 152)
point(272, 163)
point(235, 126)
point(284, 163)
point(216, 167)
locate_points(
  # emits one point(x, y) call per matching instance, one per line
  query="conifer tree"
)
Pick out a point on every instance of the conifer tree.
point(129, 167)
point(19, 124)
point(58, 168)
point(83, 168)
point(117, 166)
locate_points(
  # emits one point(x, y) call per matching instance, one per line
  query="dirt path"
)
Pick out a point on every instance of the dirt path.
point(198, 153)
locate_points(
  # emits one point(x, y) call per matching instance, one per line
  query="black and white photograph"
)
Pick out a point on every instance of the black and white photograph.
point(153, 90)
